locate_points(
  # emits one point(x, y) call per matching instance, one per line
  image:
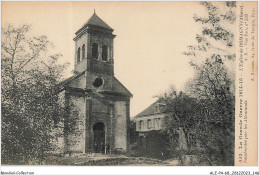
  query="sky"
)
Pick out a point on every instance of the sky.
point(150, 39)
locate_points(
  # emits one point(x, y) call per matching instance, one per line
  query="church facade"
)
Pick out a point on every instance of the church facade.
point(97, 103)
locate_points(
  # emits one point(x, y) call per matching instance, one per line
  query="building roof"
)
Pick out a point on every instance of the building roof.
point(94, 20)
point(120, 88)
point(68, 80)
point(117, 87)
point(151, 109)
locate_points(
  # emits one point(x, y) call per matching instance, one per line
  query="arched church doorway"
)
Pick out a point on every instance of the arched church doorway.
point(99, 137)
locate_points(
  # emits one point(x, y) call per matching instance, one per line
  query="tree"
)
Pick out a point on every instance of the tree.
point(203, 117)
point(30, 103)
point(213, 84)
point(217, 35)
point(181, 123)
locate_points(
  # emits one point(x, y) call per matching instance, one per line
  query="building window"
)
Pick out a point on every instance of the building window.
point(95, 50)
point(162, 107)
point(157, 109)
point(98, 82)
point(149, 123)
point(141, 125)
point(83, 51)
point(78, 55)
point(104, 53)
point(159, 123)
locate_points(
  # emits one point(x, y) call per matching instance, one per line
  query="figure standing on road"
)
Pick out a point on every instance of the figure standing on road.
point(95, 147)
point(102, 148)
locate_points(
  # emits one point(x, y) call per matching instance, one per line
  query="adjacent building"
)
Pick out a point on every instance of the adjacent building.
point(154, 139)
point(148, 125)
point(152, 118)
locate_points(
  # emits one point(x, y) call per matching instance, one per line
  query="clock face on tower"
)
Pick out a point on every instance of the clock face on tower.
point(98, 82)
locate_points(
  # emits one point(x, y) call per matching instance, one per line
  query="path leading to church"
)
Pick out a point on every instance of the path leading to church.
point(109, 160)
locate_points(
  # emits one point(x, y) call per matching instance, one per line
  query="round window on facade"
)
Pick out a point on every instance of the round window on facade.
point(98, 82)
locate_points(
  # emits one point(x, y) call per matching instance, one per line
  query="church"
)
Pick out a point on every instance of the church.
point(96, 101)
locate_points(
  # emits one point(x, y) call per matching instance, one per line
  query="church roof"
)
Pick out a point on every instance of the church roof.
point(117, 87)
point(68, 80)
point(94, 20)
point(150, 110)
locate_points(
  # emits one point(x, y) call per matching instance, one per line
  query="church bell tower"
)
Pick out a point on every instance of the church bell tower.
point(94, 53)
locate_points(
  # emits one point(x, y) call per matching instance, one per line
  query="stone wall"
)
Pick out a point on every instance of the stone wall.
point(120, 125)
point(82, 65)
point(79, 82)
point(77, 115)
point(58, 141)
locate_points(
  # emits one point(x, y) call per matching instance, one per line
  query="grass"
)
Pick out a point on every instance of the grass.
point(104, 161)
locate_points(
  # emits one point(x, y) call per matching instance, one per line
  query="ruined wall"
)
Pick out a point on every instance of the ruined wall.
point(77, 118)
point(120, 125)
point(58, 141)
point(107, 81)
